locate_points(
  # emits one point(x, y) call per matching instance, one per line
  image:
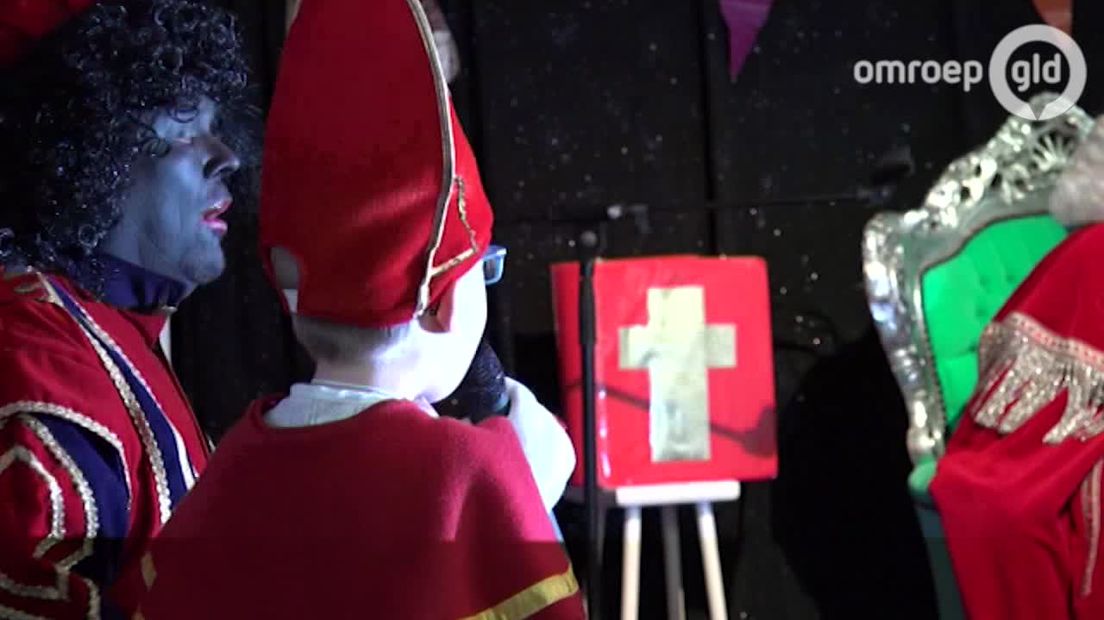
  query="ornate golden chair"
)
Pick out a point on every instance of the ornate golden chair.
point(936, 275)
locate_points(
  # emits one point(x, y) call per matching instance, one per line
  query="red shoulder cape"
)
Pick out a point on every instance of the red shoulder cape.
point(389, 514)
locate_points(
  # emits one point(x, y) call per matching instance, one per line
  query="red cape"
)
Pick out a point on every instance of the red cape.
point(1019, 490)
point(388, 514)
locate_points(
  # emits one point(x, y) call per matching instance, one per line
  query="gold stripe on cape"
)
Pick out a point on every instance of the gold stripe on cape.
point(531, 600)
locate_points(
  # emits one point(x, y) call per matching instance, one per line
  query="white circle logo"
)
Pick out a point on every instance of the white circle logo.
point(1026, 73)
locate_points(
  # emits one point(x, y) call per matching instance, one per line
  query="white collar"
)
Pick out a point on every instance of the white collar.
point(338, 390)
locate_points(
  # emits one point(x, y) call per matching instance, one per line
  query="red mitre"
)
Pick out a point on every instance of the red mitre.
point(368, 180)
point(22, 22)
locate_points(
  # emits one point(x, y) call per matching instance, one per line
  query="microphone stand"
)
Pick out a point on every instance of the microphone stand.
point(590, 245)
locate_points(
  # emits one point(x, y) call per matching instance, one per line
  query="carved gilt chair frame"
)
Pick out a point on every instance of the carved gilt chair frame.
point(1009, 177)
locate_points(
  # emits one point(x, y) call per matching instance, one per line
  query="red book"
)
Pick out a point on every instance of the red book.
point(683, 365)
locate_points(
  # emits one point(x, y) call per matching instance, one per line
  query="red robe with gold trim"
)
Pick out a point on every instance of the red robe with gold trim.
point(1019, 489)
point(388, 514)
point(78, 499)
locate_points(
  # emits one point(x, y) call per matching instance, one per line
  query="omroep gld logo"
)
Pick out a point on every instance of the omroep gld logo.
point(1028, 72)
point(1024, 72)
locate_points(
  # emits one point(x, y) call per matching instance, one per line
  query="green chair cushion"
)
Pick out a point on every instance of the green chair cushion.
point(963, 294)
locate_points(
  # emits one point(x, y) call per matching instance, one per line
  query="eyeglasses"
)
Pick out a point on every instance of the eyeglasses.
point(494, 262)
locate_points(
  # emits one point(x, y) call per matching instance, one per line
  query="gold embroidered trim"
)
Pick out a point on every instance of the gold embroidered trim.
point(99, 331)
point(93, 600)
point(91, 515)
point(145, 433)
point(185, 459)
point(80, 484)
point(49, 295)
point(1090, 507)
point(533, 599)
point(70, 415)
point(1025, 366)
point(14, 614)
point(448, 151)
point(57, 528)
point(462, 208)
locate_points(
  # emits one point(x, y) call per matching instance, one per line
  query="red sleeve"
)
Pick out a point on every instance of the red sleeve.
point(1058, 283)
point(516, 567)
point(43, 526)
point(1061, 297)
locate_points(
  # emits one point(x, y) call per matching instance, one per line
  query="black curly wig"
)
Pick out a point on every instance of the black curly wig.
point(72, 113)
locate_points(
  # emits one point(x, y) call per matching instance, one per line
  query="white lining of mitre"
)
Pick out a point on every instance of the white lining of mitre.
point(448, 148)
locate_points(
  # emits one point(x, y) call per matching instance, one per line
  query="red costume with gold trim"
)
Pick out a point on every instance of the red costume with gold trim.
point(1019, 489)
point(370, 184)
point(89, 475)
point(97, 441)
point(388, 514)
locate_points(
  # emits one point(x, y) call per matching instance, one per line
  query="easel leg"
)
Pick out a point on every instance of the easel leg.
point(672, 562)
point(630, 570)
point(711, 560)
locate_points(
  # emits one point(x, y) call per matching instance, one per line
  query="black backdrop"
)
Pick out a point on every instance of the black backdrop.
point(578, 104)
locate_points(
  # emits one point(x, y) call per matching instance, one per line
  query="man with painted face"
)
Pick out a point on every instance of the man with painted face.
point(113, 180)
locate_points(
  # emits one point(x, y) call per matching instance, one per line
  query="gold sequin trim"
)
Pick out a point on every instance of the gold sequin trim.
point(1025, 366)
point(91, 519)
point(1090, 507)
point(145, 433)
point(70, 415)
point(95, 334)
point(533, 599)
point(57, 528)
point(106, 338)
point(93, 600)
point(49, 295)
point(80, 484)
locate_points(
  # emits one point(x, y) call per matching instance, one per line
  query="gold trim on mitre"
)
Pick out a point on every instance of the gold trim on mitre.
point(448, 150)
point(473, 244)
point(535, 598)
point(1025, 366)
